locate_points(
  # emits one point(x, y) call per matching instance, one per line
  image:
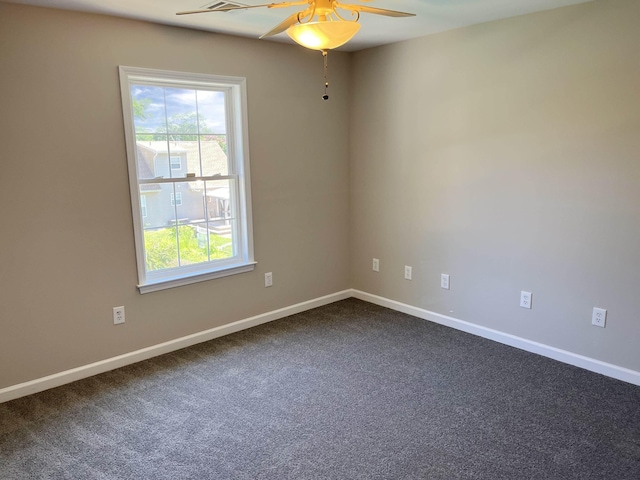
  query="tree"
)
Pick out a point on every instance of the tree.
point(186, 124)
point(140, 108)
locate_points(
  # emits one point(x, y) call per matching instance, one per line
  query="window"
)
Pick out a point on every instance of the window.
point(187, 141)
point(176, 163)
point(143, 205)
point(176, 199)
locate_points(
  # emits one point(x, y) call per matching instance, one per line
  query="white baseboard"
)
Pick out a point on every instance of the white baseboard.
point(608, 369)
point(68, 376)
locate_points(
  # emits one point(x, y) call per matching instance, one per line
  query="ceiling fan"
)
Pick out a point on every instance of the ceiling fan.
point(319, 26)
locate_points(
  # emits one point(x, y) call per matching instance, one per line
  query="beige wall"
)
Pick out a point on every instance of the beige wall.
point(505, 154)
point(508, 156)
point(66, 247)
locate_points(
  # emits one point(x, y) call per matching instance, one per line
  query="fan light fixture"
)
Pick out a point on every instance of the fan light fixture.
point(329, 30)
point(323, 35)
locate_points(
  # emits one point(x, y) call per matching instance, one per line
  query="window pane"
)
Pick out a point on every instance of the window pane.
point(193, 244)
point(163, 157)
point(153, 158)
point(177, 157)
point(160, 212)
point(218, 199)
point(146, 154)
point(161, 248)
point(182, 113)
point(214, 156)
point(190, 202)
point(221, 243)
point(211, 112)
point(149, 114)
point(189, 150)
point(222, 224)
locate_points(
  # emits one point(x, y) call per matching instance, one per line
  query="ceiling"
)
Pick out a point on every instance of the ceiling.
point(432, 16)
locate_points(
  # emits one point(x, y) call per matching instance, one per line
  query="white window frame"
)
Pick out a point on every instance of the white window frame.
point(238, 151)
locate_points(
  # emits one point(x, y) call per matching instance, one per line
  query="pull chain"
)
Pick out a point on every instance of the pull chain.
point(326, 74)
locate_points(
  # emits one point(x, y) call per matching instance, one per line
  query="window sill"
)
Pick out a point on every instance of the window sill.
point(180, 281)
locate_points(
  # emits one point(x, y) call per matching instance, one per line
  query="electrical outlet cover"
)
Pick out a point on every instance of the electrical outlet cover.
point(118, 315)
point(525, 299)
point(407, 272)
point(599, 317)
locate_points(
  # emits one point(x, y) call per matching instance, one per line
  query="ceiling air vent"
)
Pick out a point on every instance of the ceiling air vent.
point(221, 5)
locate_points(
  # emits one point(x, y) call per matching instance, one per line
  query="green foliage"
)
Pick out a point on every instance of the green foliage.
point(161, 247)
point(140, 108)
point(181, 125)
point(143, 135)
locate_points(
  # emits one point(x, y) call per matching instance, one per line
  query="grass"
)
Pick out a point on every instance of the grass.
point(161, 247)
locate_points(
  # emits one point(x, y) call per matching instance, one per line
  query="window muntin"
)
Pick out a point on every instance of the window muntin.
point(188, 157)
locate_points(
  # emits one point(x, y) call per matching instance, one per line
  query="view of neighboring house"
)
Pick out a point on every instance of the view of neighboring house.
point(195, 202)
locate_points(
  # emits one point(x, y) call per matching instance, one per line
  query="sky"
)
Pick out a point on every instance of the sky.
point(167, 102)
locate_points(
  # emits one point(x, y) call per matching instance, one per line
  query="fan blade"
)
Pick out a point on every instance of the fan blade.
point(226, 9)
point(244, 7)
point(292, 4)
point(292, 20)
point(377, 11)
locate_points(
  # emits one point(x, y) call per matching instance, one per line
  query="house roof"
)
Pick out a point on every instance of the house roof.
point(145, 171)
point(144, 168)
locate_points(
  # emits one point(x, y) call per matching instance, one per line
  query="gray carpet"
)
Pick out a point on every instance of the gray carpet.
point(346, 391)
